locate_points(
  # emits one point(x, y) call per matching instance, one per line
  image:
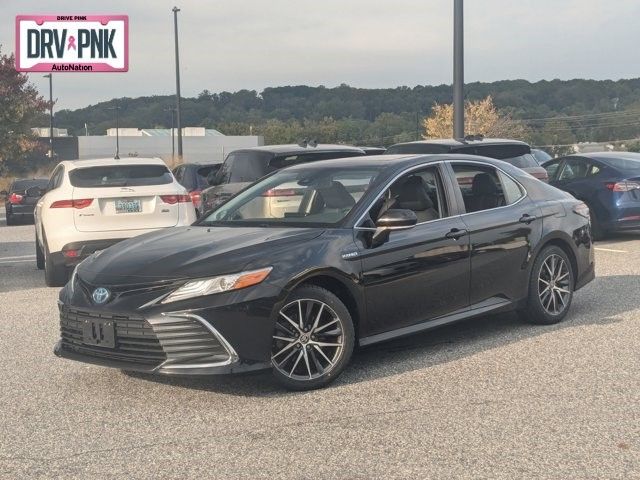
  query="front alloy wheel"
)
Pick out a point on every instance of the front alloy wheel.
point(312, 340)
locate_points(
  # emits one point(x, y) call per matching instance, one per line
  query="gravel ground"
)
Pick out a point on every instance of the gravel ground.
point(488, 398)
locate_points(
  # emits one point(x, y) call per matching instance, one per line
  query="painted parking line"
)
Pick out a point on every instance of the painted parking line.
point(610, 250)
point(16, 257)
point(3, 262)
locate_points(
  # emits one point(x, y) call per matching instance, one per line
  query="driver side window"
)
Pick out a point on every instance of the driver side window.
point(419, 191)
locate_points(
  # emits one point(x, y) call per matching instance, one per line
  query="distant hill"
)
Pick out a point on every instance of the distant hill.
point(596, 110)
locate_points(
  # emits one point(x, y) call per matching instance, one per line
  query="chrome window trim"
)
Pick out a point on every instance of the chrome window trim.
point(386, 187)
point(233, 356)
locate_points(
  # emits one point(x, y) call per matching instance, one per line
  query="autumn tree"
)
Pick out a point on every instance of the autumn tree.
point(480, 117)
point(21, 107)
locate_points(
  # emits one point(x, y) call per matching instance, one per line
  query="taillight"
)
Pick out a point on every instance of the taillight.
point(582, 209)
point(624, 186)
point(280, 192)
point(195, 197)
point(173, 199)
point(80, 203)
point(15, 199)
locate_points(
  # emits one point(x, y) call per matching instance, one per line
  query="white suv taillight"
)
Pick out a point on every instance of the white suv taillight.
point(172, 199)
point(80, 203)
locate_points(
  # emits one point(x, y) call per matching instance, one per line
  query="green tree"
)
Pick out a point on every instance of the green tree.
point(20, 109)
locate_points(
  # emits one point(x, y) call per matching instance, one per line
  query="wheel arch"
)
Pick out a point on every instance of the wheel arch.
point(565, 245)
point(341, 285)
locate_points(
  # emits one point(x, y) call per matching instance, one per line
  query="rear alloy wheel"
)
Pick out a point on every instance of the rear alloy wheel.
point(312, 340)
point(551, 287)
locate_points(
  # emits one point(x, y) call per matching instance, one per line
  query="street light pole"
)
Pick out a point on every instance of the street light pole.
point(50, 77)
point(179, 122)
point(458, 69)
point(173, 138)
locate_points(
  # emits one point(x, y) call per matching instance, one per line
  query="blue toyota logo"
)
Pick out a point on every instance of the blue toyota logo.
point(100, 295)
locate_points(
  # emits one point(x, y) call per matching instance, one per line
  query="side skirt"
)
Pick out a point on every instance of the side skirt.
point(487, 306)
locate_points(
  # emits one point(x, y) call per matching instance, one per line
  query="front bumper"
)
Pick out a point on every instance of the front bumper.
point(168, 344)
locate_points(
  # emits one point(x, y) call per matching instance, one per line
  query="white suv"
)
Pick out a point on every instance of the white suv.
point(90, 205)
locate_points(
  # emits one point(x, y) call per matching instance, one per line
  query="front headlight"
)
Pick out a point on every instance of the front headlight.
point(223, 283)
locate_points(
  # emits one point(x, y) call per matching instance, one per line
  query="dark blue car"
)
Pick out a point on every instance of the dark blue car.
point(608, 182)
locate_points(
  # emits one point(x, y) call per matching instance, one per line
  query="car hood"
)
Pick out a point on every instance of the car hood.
point(189, 252)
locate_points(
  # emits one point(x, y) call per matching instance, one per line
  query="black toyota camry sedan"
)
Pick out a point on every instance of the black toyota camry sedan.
point(305, 264)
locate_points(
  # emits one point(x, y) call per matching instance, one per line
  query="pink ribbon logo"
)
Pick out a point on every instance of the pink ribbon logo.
point(72, 43)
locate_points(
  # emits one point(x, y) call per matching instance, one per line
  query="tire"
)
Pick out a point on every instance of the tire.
point(305, 359)
point(39, 255)
point(54, 275)
point(549, 308)
point(597, 232)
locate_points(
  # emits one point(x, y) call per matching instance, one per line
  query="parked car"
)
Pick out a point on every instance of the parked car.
point(245, 166)
point(21, 198)
point(515, 152)
point(608, 182)
point(379, 247)
point(195, 178)
point(540, 155)
point(90, 205)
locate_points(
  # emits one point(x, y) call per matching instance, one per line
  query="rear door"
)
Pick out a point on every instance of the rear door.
point(124, 197)
point(504, 226)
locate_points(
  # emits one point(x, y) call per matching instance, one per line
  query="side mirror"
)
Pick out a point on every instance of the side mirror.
point(394, 219)
point(397, 219)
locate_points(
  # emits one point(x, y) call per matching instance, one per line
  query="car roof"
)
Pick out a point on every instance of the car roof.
point(103, 162)
point(297, 149)
point(453, 142)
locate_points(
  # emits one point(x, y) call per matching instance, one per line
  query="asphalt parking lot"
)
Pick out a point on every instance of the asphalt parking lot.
point(489, 398)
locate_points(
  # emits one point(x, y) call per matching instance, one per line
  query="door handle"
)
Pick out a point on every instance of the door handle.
point(456, 233)
point(526, 218)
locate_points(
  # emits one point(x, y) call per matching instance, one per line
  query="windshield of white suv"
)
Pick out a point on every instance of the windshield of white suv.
point(302, 197)
point(120, 176)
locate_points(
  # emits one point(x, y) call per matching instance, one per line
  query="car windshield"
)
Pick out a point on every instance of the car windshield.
point(120, 176)
point(631, 165)
point(318, 197)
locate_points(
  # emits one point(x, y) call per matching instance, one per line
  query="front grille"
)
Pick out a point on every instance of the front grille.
point(179, 341)
point(135, 340)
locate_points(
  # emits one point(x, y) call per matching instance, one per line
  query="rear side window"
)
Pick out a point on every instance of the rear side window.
point(484, 187)
point(574, 168)
point(204, 173)
point(243, 167)
point(120, 176)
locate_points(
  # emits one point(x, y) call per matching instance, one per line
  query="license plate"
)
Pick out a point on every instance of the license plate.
point(128, 206)
point(99, 332)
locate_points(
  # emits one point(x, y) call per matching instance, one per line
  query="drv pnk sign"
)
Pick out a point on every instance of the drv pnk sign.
point(72, 43)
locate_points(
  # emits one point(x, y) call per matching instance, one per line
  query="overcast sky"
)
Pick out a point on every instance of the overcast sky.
point(231, 45)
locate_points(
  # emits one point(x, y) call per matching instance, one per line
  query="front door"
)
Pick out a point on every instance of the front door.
point(421, 273)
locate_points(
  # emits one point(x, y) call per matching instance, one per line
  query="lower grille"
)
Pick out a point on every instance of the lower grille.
point(135, 340)
point(181, 341)
point(187, 341)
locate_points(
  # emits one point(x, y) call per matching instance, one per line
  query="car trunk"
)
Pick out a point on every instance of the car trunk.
point(126, 208)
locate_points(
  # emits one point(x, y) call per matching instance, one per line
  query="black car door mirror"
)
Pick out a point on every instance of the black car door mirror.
point(397, 219)
point(392, 220)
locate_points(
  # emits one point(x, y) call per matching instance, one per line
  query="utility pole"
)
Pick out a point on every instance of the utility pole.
point(50, 77)
point(458, 69)
point(178, 120)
